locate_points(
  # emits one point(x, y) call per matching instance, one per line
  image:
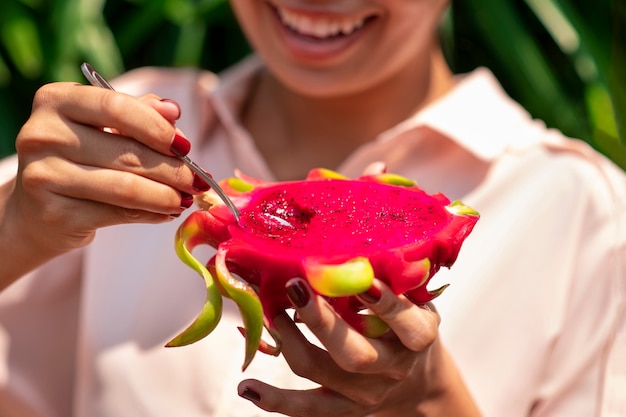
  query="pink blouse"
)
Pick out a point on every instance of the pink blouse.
point(534, 317)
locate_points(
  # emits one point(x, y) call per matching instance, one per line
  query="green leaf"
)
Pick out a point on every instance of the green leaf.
point(522, 64)
point(617, 77)
point(21, 39)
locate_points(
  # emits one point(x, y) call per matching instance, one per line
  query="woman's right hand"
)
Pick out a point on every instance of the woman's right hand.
point(89, 158)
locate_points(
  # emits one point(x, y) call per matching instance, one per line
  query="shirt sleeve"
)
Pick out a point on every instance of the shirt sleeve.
point(542, 279)
point(586, 368)
point(614, 383)
point(38, 319)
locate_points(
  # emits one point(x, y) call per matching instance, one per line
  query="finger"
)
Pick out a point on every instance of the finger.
point(351, 350)
point(96, 148)
point(106, 108)
point(107, 186)
point(316, 364)
point(375, 168)
point(166, 107)
point(316, 402)
point(415, 326)
point(65, 223)
point(49, 133)
point(78, 219)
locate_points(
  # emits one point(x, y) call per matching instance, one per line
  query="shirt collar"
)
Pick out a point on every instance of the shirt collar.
point(227, 94)
point(478, 115)
point(459, 115)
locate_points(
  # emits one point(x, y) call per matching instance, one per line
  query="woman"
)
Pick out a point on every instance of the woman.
point(533, 318)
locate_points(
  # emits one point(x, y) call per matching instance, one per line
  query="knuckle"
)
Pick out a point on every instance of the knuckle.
point(112, 104)
point(130, 155)
point(35, 177)
point(34, 137)
point(45, 95)
point(128, 189)
point(126, 216)
point(315, 322)
point(180, 176)
point(389, 307)
point(424, 336)
point(361, 361)
point(130, 215)
point(26, 141)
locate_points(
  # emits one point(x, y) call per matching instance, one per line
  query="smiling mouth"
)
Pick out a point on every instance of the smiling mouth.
point(320, 28)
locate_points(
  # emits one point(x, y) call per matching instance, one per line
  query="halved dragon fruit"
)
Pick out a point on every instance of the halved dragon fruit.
point(336, 232)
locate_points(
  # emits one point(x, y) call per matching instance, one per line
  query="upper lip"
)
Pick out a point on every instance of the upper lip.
point(321, 23)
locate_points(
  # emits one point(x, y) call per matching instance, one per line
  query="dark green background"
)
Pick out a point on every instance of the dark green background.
point(564, 60)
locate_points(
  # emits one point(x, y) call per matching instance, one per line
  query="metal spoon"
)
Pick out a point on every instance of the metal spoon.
point(97, 80)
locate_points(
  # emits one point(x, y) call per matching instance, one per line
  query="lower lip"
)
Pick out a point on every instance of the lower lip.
point(307, 48)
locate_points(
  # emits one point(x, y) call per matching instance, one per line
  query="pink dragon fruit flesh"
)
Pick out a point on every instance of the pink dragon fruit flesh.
point(337, 233)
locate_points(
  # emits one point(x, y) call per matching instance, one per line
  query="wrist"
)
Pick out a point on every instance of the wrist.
point(20, 250)
point(447, 394)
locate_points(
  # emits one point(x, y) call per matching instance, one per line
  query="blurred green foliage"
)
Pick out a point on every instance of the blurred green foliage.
point(564, 60)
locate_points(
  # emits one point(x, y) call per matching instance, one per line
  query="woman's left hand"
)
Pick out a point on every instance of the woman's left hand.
point(400, 373)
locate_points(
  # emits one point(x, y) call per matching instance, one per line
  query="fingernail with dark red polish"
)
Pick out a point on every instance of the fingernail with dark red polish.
point(372, 295)
point(180, 146)
point(199, 184)
point(298, 293)
point(251, 395)
point(186, 200)
point(169, 100)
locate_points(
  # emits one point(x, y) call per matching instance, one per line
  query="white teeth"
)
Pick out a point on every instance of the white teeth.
point(323, 27)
